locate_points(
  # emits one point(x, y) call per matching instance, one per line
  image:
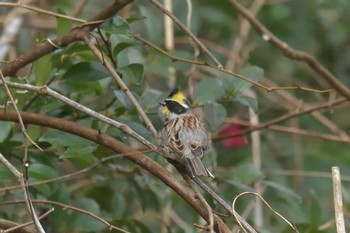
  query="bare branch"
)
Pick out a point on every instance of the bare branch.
point(188, 32)
point(75, 35)
point(122, 85)
point(338, 200)
point(200, 63)
point(266, 204)
point(44, 90)
point(283, 118)
point(290, 52)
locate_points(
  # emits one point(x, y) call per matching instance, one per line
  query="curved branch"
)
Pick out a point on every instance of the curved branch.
point(119, 147)
point(76, 34)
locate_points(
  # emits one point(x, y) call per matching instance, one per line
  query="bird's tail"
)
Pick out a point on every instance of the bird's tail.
point(198, 169)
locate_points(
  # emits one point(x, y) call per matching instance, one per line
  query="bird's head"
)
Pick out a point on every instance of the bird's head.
point(176, 103)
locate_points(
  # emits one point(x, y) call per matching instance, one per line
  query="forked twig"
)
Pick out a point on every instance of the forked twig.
point(268, 206)
point(244, 224)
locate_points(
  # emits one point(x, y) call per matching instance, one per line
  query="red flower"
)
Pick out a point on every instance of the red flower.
point(236, 141)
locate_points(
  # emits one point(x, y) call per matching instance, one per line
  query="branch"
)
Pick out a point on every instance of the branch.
point(21, 227)
point(44, 90)
point(188, 32)
point(41, 11)
point(200, 63)
point(118, 147)
point(282, 118)
point(290, 52)
point(69, 207)
point(10, 69)
point(338, 201)
point(122, 85)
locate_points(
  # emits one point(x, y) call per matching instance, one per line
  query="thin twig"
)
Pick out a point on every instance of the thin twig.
point(200, 63)
point(283, 118)
point(268, 206)
point(210, 211)
point(188, 32)
point(338, 200)
point(41, 11)
point(293, 130)
point(20, 226)
point(290, 52)
point(315, 174)
point(226, 206)
point(21, 180)
point(244, 28)
point(121, 83)
point(69, 207)
point(44, 90)
point(23, 128)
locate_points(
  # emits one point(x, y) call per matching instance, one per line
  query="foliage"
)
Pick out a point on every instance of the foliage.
point(124, 194)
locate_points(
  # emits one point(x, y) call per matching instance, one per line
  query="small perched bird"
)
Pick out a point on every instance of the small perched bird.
point(183, 136)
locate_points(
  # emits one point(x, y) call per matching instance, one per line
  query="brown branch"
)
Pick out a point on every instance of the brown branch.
point(19, 227)
point(10, 69)
point(5, 224)
point(69, 207)
point(121, 83)
point(201, 63)
point(287, 129)
point(282, 118)
point(290, 52)
point(118, 147)
point(188, 32)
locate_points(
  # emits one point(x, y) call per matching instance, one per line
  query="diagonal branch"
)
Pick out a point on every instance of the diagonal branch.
point(126, 151)
point(188, 32)
point(76, 34)
point(44, 90)
point(290, 52)
point(120, 82)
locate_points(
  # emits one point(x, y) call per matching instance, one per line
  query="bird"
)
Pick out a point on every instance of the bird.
point(183, 137)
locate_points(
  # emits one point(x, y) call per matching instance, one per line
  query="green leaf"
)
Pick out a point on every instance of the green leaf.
point(233, 85)
point(208, 90)
point(43, 69)
point(132, 72)
point(247, 101)
point(63, 25)
point(247, 173)
point(282, 188)
point(79, 151)
point(38, 171)
point(85, 72)
point(117, 25)
point(150, 99)
point(215, 114)
point(5, 173)
point(253, 73)
point(120, 47)
point(5, 127)
point(86, 223)
point(59, 138)
point(123, 99)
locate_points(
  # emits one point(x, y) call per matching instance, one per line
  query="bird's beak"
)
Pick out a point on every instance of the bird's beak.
point(162, 103)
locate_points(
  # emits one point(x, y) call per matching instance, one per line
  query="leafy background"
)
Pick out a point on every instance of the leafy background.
point(295, 169)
